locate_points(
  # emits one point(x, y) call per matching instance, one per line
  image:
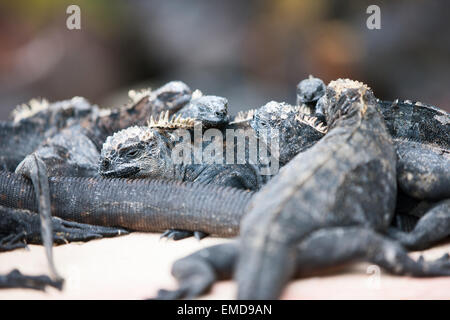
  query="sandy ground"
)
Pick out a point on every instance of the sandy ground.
point(135, 266)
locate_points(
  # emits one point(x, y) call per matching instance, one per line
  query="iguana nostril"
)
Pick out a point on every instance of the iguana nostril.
point(105, 164)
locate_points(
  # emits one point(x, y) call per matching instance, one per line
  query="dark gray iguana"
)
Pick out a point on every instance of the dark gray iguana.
point(147, 152)
point(421, 134)
point(158, 205)
point(147, 226)
point(64, 138)
point(333, 203)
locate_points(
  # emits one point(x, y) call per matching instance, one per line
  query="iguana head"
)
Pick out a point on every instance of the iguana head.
point(171, 96)
point(310, 90)
point(291, 126)
point(144, 103)
point(59, 113)
point(136, 152)
point(211, 111)
point(346, 99)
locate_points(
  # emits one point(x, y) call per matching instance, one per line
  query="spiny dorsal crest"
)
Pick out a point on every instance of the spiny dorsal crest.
point(243, 116)
point(121, 137)
point(27, 110)
point(312, 121)
point(340, 85)
point(303, 108)
point(176, 122)
point(277, 110)
point(137, 95)
point(196, 94)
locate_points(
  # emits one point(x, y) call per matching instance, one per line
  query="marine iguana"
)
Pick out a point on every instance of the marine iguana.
point(147, 152)
point(35, 122)
point(333, 202)
point(72, 139)
point(421, 134)
point(410, 124)
point(73, 150)
point(212, 111)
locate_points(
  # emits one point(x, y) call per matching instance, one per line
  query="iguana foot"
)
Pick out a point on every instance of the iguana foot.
point(13, 241)
point(68, 231)
point(197, 272)
point(20, 227)
point(431, 228)
point(195, 277)
point(15, 279)
point(176, 234)
point(433, 268)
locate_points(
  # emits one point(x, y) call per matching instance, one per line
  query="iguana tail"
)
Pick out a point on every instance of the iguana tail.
point(35, 169)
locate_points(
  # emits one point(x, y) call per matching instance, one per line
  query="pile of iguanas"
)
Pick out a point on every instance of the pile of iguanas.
point(360, 178)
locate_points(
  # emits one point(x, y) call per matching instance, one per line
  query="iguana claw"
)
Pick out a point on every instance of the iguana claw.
point(13, 241)
point(183, 234)
point(15, 279)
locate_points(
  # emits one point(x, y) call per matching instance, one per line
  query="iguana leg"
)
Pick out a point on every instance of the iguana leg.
point(19, 227)
point(405, 222)
point(423, 172)
point(176, 234)
point(34, 168)
point(325, 248)
point(15, 279)
point(334, 246)
point(197, 272)
point(431, 228)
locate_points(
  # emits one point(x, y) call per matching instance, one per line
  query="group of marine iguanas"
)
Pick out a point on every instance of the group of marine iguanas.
point(361, 179)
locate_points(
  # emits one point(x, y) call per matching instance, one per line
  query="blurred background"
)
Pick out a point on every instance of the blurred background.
point(248, 51)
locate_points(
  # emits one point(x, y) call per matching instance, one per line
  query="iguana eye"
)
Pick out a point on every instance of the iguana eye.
point(132, 153)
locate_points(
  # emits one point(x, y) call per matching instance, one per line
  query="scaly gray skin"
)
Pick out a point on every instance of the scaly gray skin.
point(419, 164)
point(138, 204)
point(142, 152)
point(74, 150)
point(20, 227)
point(72, 145)
point(34, 123)
point(211, 111)
point(324, 248)
point(415, 121)
point(178, 206)
point(307, 225)
point(145, 152)
point(421, 135)
point(309, 91)
point(334, 183)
